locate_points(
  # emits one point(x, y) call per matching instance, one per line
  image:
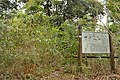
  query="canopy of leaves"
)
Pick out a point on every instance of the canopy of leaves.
point(61, 10)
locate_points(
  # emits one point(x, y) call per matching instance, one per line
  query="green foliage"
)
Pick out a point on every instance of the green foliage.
point(114, 7)
point(114, 10)
point(61, 11)
point(37, 41)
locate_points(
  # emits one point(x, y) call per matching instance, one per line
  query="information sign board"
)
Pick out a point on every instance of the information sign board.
point(95, 42)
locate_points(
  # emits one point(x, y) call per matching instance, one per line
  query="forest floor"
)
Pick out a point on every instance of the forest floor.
point(55, 67)
point(10, 74)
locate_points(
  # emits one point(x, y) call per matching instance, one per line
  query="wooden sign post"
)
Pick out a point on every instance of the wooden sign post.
point(112, 62)
point(80, 48)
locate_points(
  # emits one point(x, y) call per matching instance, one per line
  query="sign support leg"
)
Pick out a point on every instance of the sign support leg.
point(112, 62)
point(80, 48)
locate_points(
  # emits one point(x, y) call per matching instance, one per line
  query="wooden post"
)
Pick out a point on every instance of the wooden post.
point(80, 48)
point(112, 62)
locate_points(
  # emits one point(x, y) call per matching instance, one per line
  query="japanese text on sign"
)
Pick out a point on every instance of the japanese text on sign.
point(93, 42)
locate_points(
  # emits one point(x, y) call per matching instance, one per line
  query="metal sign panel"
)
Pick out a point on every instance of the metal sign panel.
point(94, 42)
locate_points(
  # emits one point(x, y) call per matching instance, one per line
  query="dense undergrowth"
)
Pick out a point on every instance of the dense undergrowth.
point(33, 47)
point(31, 51)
